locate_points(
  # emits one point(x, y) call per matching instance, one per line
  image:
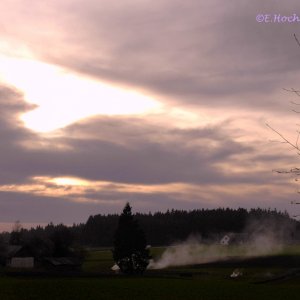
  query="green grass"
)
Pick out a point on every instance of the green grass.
point(143, 288)
point(156, 252)
point(101, 260)
point(187, 282)
point(98, 261)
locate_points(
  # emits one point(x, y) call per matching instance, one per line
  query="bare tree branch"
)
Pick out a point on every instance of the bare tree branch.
point(283, 138)
point(292, 90)
point(294, 103)
point(294, 171)
point(296, 39)
point(295, 202)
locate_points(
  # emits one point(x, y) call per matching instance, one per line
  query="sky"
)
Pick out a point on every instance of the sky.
point(160, 103)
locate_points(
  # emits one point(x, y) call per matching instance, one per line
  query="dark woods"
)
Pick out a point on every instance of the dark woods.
point(51, 241)
point(176, 225)
point(159, 228)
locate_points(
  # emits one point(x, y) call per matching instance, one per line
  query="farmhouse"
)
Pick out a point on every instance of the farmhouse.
point(19, 257)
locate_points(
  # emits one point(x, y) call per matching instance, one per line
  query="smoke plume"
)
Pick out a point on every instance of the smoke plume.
point(261, 237)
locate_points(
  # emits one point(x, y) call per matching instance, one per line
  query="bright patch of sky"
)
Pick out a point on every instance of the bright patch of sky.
point(63, 98)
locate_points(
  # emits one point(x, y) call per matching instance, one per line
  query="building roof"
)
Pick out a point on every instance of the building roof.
point(62, 261)
point(12, 250)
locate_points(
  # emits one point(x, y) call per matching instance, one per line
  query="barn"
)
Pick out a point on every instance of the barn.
point(19, 257)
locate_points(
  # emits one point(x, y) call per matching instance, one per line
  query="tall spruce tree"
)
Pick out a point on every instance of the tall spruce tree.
point(130, 252)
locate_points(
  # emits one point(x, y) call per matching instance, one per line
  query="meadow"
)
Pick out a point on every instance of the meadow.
point(269, 277)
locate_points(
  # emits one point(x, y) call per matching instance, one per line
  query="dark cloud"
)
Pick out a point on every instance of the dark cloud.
point(121, 150)
point(118, 149)
point(196, 52)
point(199, 53)
point(27, 207)
point(149, 154)
point(12, 134)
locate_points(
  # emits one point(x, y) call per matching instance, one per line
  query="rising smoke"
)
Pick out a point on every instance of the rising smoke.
point(263, 237)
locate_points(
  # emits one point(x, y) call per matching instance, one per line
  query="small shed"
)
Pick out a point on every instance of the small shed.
point(19, 257)
point(22, 262)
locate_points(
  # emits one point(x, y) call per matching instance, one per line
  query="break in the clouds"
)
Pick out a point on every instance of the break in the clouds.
point(213, 72)
point(98, 164)
point(199, 52)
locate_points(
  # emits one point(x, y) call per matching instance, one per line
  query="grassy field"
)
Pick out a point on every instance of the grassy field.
point(143, 288)
point(210, 281)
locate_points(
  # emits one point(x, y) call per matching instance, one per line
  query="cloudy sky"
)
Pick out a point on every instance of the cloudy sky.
point(160, 103)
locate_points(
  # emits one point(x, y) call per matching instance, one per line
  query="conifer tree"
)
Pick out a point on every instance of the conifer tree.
point(130, 252)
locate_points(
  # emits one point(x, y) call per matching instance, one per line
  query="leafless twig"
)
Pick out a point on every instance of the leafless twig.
point(296, 39)
point(292, 90)
point(294, 103)
point(283, 138)
point(295, 202)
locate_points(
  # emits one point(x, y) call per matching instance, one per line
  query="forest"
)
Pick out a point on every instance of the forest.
point(164, 228)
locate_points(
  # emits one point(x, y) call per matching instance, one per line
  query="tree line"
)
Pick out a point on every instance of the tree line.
point(160, 228)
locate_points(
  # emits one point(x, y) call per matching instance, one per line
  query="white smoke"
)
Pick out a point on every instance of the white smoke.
point(262, 239)
point(192, 251)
